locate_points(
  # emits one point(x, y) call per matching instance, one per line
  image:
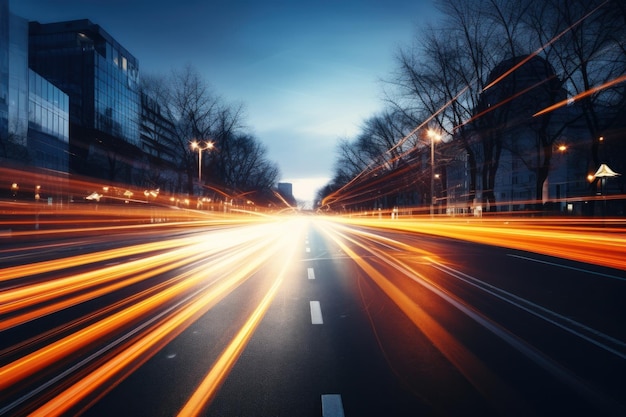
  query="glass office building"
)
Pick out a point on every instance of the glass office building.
point(48, 124)
point(34, 114)
point(4, 70)
point(101, 79)
point(13, 84)
point(29, 104)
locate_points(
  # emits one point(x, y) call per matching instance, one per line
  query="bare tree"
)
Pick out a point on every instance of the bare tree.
point(247, 168)
point(198, 114)
point(490, 75)
point(373, 153)
point(461, 75)
point(227, 127)
point(444, 76)
point(193, 106)
point(585, 43)
point(237, 162)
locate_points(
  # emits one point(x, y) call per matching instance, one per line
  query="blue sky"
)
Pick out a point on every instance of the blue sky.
point(307, 71)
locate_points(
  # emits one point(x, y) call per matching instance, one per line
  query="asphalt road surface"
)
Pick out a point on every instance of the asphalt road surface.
point(305, 317)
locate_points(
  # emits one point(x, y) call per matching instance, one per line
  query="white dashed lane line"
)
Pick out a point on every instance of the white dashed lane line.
point(316, 313)
point(332, 406)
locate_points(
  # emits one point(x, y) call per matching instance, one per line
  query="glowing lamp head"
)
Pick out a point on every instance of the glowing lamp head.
point(433, 134)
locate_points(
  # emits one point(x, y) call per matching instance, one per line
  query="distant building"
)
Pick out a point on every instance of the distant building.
point(158, 145)
point(285, 189)
point(101, 79)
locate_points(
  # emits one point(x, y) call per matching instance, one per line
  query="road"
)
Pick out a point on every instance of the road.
point(307, 316)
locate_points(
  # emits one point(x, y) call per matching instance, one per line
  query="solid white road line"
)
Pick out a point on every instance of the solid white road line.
point(332, 406)
point(565, 323)
point(316, 313)
point(586, 271)
point(310, 273)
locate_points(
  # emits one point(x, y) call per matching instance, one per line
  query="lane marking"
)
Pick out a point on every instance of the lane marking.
point(308, 249)
point(316, 313)
point(566, 267)
point(332, 406)
point(537, 310)
point(327, 258)
point(310, 273)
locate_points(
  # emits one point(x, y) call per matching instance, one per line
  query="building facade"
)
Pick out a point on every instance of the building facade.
point(158, 144)
point(34, 114)
point(101, 79)
point(70, 102)
point(48, 124)
point(13, 84)
point(4, 69)
point(530, 161)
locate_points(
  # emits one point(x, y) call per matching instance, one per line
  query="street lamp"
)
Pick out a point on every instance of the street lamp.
point(14, 189)
point(433, 135)
point(603, 173)
point(196, 146)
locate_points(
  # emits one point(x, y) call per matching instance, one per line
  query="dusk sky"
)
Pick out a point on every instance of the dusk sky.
point(307, 71)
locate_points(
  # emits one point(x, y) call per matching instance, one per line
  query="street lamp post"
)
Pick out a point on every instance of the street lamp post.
point(433, 135)
point(562, 148)
point(196, 146)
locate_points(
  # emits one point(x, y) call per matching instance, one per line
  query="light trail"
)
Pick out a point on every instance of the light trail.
point(493, 388)
point(61, 264)
point(488, 383)
point(579, 96)
point(178, 252)
point(212, 264)
point(213, 380)
point(598, 245)
point(144, 348)
point(65, 369)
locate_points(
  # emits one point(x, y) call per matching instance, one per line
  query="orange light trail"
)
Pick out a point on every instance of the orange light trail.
point(475, 371)
point(600, 244)
point(503, 102)
point(214, 379)
point(114, 277)
point(584, 94)
point(144, 348)
point(213, 265)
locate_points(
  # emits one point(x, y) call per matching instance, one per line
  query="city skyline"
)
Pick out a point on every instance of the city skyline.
point(308, 74)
